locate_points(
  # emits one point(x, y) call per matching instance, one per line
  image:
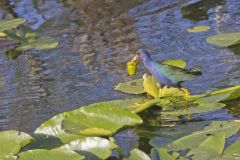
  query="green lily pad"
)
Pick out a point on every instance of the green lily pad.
point(127, 103)
point(91, 147)
point(43, 154)
point(131, 87)
point(53, 128)
point(28, 33)
point(161, 153)
point(11, 142)
point(210, 143)
point(227, 94)
point(196, 138)
point(99, 119)
point(208, 107)
point(143, 106)
point(9, 158)
point(233, 151)
point(41, 43)
point(177, 63)
point(198, 29)
point(137, 154)
point(166, 135)
point(201, 103)
point(9, 24)
point(225, 40)
point(135, 104)
point(211, 148)
point(30, 39)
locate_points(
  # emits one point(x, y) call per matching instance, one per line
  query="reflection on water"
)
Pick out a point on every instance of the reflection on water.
point(200, 10)
point(37, 11)
point(97, 38)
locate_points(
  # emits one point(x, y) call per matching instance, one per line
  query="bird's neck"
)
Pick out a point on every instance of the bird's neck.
point(147, 61)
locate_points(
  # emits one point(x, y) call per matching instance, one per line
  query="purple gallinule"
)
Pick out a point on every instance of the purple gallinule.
point(166, 75)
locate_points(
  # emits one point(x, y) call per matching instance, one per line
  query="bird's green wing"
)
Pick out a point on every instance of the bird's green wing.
point(175, 74)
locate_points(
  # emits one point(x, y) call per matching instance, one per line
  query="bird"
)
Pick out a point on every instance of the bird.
point(164, 74)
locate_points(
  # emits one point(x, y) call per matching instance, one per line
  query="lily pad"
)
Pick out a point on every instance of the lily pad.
point(53, 128)
point(41, 43)
point(30, 39)
point(211, 148)
point(225, 40)
point(233, 150)
point(196, 138)
point(99, 119)
point(28, 33)
point(227, 94)
point(177, 63)
point(127, 103)
point(143, 106)
point(43, 154)
point(161, 153)
point(91, 147)
point(9, 24)
point(208, 107)
point(9, 158)
point(131, 87)
point(135, 104)
point(166, 135)
point(198, 29)
point(11, 142)
point(137, 154)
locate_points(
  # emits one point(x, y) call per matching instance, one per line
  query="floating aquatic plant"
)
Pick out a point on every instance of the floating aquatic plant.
point(10, 24)
point(197, 29)
point(30, 39)
point(20, 37)
point(225, 40)
point(11, 142)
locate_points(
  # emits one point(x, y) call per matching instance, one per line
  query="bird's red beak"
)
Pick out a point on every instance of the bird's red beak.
point(135, 57)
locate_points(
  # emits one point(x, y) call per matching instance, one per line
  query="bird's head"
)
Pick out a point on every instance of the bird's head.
point(142, 54)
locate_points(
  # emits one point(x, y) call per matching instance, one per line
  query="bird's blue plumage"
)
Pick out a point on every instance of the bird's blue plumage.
point(164, 74)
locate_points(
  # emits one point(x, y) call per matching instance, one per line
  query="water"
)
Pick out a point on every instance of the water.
point(97, 38)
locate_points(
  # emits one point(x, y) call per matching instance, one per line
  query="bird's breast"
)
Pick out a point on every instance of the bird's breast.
point(158, 75)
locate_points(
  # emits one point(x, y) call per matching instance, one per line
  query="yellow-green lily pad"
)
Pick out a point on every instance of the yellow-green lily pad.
point(9, 24)
point(198, 29)
point(225, 40)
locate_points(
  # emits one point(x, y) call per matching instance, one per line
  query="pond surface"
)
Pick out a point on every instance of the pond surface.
point(97, 38)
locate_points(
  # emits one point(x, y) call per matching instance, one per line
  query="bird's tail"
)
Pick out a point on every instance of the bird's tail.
point(195, 71)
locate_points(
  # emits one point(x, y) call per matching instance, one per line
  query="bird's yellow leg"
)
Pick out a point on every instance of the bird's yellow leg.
point(160, 90)
point(187, 93)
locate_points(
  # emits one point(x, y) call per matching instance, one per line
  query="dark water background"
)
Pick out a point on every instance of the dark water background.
point(97, 38)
